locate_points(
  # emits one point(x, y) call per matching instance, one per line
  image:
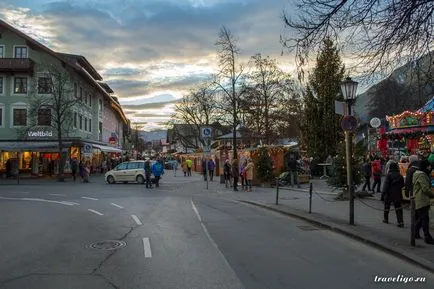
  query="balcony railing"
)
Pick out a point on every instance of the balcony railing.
point(16, 65)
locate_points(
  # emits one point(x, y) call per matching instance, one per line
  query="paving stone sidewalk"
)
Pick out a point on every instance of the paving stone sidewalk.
point(333, 214)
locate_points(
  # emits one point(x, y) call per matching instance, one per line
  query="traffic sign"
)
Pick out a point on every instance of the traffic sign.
point(375, 122)
point(206, 132)
point(349, 123)
point(87, 148)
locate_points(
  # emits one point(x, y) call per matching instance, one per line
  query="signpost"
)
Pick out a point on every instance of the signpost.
point(206, 133)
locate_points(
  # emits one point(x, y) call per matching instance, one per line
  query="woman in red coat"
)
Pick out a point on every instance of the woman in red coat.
point(376, 174)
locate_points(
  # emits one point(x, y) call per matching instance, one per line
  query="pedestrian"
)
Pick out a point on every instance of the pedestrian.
point(211, 168)
point(184, 168)
point(148, 173)
point(367, 174)
point(81, 169)
point(175, 167)
point(8, 167)
point(227, 171)
point(243, 175)
point(390, 160)
point(293, 170)
point(157, 171)
point(74, 169)
point(422, 195)
point(249, 175)
point(86, 173)
point(189, 166)
point(392, 193)
point(412, 167)
point(104, 166)
point(376, 172)
point(235, 173)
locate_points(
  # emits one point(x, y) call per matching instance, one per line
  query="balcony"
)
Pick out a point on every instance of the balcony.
point(11, 65)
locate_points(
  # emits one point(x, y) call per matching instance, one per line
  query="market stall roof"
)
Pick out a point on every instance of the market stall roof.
point(428, 107)
point(107, 148)
point(411, 129)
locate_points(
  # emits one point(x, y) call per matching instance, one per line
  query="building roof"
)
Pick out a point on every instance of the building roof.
point(106, 87)
point(81, 65)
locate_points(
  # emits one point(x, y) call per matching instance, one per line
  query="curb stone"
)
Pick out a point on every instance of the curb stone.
point(345, 231)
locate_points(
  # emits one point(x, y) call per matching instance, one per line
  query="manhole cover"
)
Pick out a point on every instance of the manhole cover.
point(308, 228)
point(108, 245)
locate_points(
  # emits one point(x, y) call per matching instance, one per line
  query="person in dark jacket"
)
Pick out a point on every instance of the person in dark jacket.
point(293, 168)
point(367, 174)
point(412, 167)
point(235, 173)
point(227, 170)
point(376, 172)
point(148, 173)
point(422, 195)
point(392, 192)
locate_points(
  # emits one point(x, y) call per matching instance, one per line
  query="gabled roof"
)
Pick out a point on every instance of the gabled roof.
point(82, 61)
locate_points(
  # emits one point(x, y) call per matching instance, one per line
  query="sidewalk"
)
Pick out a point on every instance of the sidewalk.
point(332, 214)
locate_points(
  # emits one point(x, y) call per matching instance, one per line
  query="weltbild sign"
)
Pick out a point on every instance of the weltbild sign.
point(40, 133)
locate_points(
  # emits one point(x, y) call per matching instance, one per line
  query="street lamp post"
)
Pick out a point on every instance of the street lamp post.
point(349, 88)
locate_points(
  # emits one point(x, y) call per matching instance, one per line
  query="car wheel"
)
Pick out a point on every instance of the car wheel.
point(110, 180)
point(140, 179)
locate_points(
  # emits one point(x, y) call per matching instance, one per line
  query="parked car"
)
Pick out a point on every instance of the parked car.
point(132, 171)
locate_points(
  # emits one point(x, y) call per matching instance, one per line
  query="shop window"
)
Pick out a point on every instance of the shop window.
point(44, 85)
point(20, 85)
point(19, 117)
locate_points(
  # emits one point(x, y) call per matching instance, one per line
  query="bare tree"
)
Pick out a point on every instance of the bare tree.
point(51, 106)
point(267, 92)
point(196, 109)
point(229, 78)
point(381, 33)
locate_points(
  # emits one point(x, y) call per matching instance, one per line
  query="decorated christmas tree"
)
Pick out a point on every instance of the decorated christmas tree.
point(264, 166)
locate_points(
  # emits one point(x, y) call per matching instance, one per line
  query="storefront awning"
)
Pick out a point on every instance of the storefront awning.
point(22, 146)
point(107, 149)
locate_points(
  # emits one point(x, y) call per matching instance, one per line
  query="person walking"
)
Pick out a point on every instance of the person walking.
point(148, 173)
point(376, 172)
point(175, 167)
point(392, 192)
point(184, 168)
point(189, 166)
point(293, 168)
point(422, 195)
point(227, 171)
point(235, 173)
point(249, 175)
point(74, 169)
point(243, 175)
point(412, 167)
point(81, 170)
point(367, 174)
point(86, 172)
point(157, 171)
point(211, 168)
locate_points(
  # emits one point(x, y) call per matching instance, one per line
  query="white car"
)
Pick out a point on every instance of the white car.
point(132, 171)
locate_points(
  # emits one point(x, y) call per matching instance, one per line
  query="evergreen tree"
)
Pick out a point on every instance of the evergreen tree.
point(264, 166)
point(321, 126)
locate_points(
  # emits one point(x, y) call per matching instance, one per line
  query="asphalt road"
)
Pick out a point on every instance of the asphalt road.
point(176, 236)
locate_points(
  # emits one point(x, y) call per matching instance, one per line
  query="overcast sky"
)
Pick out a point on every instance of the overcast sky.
point(151, 51)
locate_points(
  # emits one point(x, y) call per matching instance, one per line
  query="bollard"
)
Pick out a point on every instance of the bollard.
point(310, 198)
point(413, 221)
point(277, 191)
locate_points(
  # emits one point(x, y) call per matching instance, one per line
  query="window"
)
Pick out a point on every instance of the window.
point(90, 100)
point(81, 93)
point(44, 116)
point(122, 166)
point(100, 131)
point(19, 117)
point(85, 123)
point(141, 165)
point(20, 52)
point(1, 116)
point(81, 121)
point(44, 85)
point(20, 85)
point(133, 166)
point(2, 51)
point(100, 107)
point(1, 84)
point(90, 125)
point(75, 90)
point(75, 119)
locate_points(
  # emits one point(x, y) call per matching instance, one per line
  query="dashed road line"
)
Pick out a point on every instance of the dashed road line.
point(89, 198)
point(147, 248)
point(95, 212)
point(116, 205)
point(136, 219)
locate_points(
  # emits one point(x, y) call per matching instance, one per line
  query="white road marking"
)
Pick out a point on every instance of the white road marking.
point(116, 205)
point(60, 195)
point(95, 212)
point(42, 200)
point(88, 198)
point(136, 219)
point(196, 211)
point(147, 248)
